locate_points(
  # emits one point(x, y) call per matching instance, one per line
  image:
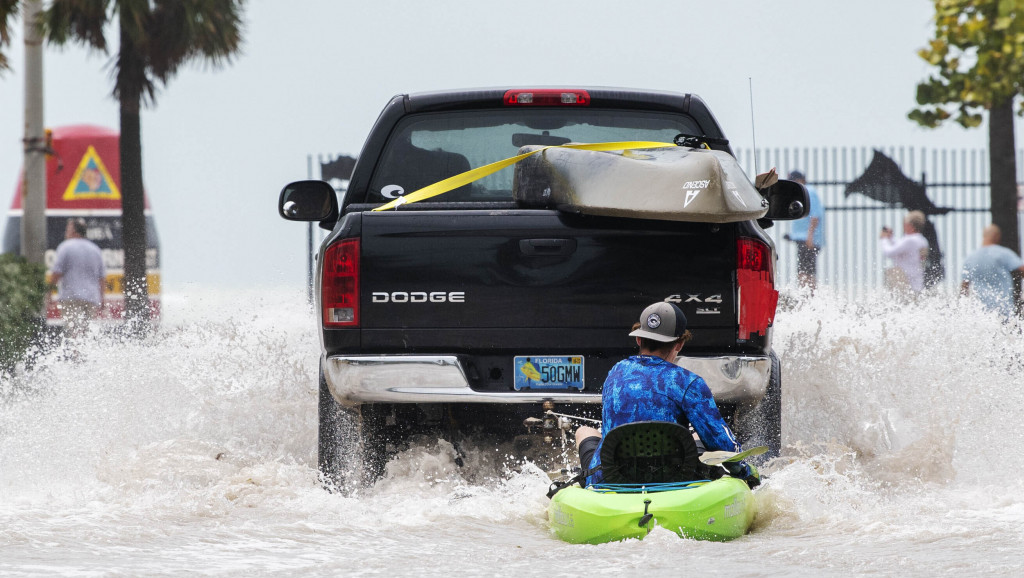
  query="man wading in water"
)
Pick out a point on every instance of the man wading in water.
point(81, 278)
point(649, 387)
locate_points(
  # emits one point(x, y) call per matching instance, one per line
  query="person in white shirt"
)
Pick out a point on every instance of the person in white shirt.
point(907, 254)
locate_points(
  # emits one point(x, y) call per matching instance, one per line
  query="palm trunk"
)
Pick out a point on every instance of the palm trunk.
point(133, 210)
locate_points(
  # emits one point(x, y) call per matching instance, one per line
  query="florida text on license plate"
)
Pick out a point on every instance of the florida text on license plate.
point(549, 372)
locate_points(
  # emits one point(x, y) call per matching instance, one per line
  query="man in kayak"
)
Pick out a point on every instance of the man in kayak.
point(649, 387)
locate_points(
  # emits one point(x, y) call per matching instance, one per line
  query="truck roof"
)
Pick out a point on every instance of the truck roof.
point(496, 99)
point(600, 97)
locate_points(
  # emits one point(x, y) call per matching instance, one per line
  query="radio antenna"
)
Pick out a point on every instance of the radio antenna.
point(753, 134)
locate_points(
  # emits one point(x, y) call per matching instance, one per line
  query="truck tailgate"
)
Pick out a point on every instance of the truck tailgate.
point(538, 275)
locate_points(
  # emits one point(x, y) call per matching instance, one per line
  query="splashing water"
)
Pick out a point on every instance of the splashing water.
point(194, 451)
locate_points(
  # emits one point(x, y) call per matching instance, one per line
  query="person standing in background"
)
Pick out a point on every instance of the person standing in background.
point(908, 254)
point(80, 276)
point(990, 270)
point(809, 235)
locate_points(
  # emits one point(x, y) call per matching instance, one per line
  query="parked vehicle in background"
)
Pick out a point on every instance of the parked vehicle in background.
point(83, 180)
point(475, 309)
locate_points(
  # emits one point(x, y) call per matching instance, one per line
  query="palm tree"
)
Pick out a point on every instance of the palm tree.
point(156, 38)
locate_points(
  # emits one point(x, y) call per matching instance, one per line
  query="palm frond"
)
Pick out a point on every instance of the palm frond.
point(8, 9)
point(80, 21)
point(186, 30)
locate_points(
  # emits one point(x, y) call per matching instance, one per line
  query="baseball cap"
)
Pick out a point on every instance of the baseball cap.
point(796, 176)
point(661, 322)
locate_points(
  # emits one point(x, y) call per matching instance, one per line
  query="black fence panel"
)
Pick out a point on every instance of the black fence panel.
point(851, 260)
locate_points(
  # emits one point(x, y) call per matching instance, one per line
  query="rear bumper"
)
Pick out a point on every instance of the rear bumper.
point(355, 379)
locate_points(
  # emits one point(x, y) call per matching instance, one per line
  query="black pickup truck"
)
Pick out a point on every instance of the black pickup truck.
point(435, 316)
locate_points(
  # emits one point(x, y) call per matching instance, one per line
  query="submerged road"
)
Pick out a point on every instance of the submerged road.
point(194, 452)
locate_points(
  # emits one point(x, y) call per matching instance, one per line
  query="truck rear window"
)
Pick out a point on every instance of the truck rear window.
point(426, 148)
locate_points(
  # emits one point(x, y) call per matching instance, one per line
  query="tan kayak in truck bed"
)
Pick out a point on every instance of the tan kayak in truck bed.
point(675, 184)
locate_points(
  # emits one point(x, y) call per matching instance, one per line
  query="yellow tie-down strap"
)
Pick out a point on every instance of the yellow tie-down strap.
point(462, 179)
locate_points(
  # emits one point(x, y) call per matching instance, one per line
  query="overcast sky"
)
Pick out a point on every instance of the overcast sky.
point(314, 74)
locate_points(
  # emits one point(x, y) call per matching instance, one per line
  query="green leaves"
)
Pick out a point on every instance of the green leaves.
point(936, 53)
point(978, 55)
point(80, 21)
point(155, 37)
point(930, 118)
point(1007, 8)
point(22, 289)
point(8, 9)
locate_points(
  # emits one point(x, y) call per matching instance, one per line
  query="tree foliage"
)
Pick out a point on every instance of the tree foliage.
point(978, 59)
point(157, 37)
point(978, 55)
point(22, 289)
point(8, 8)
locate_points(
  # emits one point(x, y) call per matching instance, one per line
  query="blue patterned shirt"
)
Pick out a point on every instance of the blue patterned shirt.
point(648, 388)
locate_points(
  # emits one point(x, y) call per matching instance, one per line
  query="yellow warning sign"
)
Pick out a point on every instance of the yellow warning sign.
point(91, 180)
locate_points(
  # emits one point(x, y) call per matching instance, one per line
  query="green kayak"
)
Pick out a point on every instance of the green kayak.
point(720, 510)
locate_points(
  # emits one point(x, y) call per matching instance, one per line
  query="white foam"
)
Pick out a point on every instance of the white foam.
point(196, 448)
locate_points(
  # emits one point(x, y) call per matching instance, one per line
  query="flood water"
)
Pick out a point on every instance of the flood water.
point(194, 452)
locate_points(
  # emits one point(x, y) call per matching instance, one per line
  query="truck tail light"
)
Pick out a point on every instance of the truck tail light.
point(756, 296)
point(547, 97)
point(340, 284)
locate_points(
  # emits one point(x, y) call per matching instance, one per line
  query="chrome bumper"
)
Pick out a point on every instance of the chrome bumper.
point(355, 379)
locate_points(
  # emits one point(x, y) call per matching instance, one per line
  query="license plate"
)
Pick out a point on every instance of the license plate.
point(549, 372)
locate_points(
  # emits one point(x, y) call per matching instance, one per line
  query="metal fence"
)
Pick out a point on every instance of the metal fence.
point(851, 260)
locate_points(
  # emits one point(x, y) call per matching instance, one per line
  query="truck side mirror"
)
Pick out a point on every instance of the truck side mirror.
point(787, 201)
point(308, 201)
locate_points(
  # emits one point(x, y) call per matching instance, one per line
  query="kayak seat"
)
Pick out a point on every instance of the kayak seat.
point(649, 452)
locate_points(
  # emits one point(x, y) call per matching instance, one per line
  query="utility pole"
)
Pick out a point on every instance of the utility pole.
point(33, 202)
